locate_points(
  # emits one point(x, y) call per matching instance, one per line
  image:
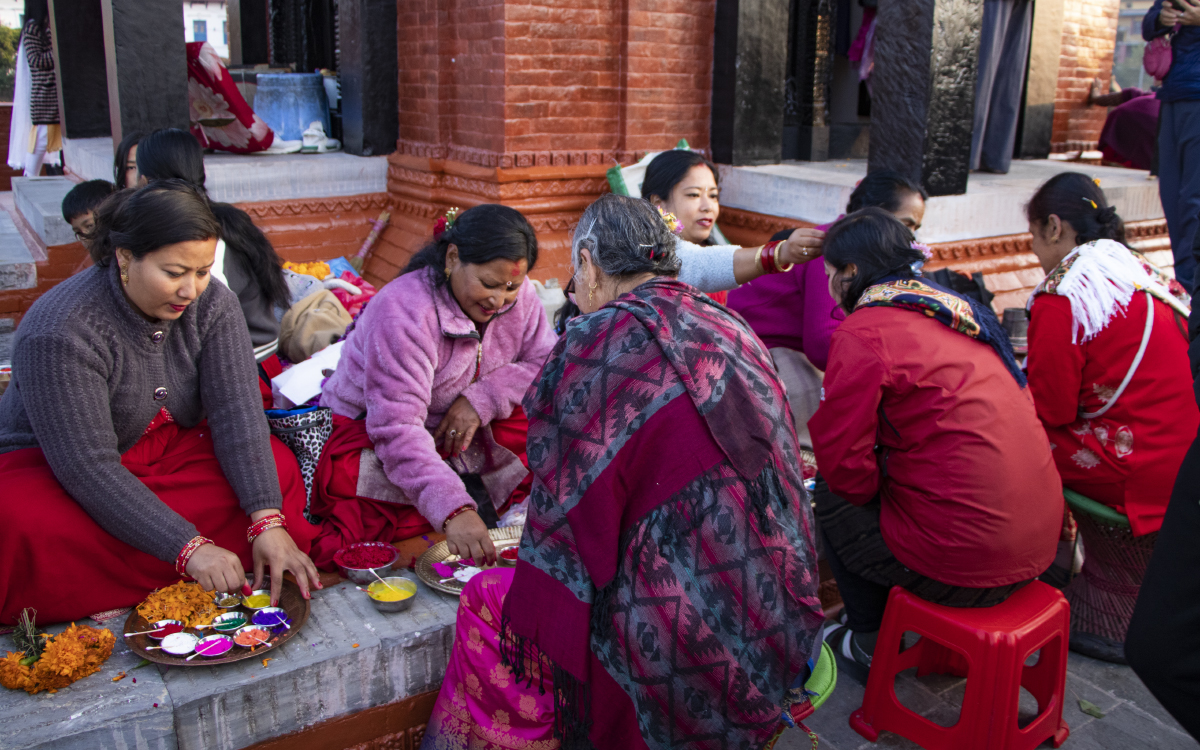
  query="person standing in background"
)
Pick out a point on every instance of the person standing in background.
point(38, 49)
point(1003, 51)
point(1179, 127)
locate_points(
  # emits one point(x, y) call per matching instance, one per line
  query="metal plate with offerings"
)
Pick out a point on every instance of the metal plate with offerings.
point(440, 554)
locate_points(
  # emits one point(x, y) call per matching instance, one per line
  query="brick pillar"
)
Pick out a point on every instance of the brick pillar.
point(528, 102)
point(923, 90)
point(1089, 39)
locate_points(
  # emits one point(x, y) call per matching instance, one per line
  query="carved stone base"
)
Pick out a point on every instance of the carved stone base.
point(423, 188)
point(396, 726)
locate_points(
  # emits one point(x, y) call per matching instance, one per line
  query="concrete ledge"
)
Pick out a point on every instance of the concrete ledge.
point(993, 206)
point(18, 269)
point(39, 199)
point(236, 178)
point(317, 676)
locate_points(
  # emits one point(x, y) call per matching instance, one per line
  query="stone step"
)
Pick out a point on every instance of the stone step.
point(320, 674)
point(39, 199)
point(17, 264)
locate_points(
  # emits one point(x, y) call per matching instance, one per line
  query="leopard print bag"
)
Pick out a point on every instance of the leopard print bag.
point(305, 431)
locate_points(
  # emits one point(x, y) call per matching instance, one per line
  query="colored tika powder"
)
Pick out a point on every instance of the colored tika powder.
point(384, 593)
point(365, 556)
point(168, 629)
point(231, 624)
point(214, 647)
point(252, 637)
point(257, 601)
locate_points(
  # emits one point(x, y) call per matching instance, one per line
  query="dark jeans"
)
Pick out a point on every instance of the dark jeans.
point(1163, 643)
point(866, 570)
point(1179, 181)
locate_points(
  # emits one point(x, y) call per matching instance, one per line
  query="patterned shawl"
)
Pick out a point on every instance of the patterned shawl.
point(667, 573)
point(1100, 277)
point(951, 309)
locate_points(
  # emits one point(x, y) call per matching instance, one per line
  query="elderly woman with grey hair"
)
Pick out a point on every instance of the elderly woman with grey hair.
point(668, 535)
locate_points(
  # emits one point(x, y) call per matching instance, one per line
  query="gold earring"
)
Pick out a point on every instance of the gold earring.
point(124, 274)
point(447, 273)
point(591, 291)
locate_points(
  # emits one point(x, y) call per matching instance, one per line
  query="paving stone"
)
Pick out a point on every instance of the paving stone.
point(1121, 682)
point(17, 264)
point(1126, 727)
point(8, 331)
point(318, 675)
point(95, 713)
point(39, 199)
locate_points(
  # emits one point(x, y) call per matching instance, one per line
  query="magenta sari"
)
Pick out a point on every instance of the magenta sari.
point(481, 706)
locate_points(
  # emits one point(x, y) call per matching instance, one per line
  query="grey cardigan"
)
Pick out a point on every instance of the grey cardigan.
point(90, 373)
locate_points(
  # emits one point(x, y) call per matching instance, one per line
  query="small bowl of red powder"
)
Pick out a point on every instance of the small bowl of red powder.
point(364, 561)
point(507, 556)
point(163, 628)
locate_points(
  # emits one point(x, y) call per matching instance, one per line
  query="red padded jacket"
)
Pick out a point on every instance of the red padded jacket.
point(930, 420)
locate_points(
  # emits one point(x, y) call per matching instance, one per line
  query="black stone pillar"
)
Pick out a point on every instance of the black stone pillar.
point(254, 32)
point(809, 74)
point(79, 68)
point(1041, 82)
point(749, 68)
point(146, 64)
point(923, 90)
point(368, 72)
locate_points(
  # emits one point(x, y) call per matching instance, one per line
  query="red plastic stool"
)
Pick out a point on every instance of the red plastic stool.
point(989, 646)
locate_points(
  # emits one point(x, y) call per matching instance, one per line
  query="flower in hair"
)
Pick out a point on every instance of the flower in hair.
point(672, 223)
point(924, 249)
point(444, 223)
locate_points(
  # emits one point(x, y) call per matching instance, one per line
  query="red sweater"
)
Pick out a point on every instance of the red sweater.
point(1129, 456)
point(969, 492)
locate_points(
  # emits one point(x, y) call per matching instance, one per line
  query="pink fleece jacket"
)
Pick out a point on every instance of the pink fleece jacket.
point(411, 354)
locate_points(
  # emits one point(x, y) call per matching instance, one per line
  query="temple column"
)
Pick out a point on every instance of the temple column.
point(146, 64)
point(809, 74)
point(1041, 83)
point(77, 28)
point(368, 70)
point(750, 54)
point(923, 90)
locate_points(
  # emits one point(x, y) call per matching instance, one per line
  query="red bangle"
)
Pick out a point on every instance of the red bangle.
point(273, 521)
point(768, 257)
point(186, 553)
point(455, 512)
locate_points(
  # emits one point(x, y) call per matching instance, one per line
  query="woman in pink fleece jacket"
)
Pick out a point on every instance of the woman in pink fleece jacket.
point(429, 388)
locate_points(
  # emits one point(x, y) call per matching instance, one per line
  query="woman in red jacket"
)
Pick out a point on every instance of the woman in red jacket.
point(1108, 370)
point(939, 477)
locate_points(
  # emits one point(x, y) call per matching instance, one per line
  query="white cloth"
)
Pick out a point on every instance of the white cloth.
point(22, 121)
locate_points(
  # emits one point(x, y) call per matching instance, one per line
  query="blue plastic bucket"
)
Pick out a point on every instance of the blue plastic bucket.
point(290, 102)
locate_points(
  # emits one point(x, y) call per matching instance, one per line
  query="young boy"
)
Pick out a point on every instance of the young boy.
point(81, 202)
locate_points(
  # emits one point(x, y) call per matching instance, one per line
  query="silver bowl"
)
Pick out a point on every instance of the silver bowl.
point(227, 601)
point(364, 576)
point(219, 622)
point(217, 638)
point(264, 592)
point(403, 584)
point(252, 645)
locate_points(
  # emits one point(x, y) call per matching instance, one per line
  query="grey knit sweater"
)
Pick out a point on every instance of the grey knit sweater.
point(87, 379)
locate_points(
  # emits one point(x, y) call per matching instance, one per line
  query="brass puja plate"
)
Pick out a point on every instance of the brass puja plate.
point(440, 553)
point(290, 600)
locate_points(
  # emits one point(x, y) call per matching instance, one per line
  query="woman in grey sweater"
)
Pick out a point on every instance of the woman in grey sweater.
point(133, 446)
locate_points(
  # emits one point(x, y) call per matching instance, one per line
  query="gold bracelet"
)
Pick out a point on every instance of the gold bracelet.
point(758, 261)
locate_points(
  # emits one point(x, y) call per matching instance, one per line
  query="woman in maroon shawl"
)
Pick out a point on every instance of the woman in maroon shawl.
point(666, 591)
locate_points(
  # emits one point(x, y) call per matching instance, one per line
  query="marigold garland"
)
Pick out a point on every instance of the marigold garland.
point(187, 602)
point(71, 655)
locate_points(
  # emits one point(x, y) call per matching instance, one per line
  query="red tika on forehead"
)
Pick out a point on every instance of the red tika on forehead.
point(516, 269)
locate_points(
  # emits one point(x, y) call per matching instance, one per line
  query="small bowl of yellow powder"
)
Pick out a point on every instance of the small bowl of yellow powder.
point(260, 599)
point(393, 594)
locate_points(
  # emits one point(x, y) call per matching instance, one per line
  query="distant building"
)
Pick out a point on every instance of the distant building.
point(12, 13)
point(205, 21)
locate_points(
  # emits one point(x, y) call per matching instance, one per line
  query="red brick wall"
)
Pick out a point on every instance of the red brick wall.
point(523, 83)
point(1088, 40)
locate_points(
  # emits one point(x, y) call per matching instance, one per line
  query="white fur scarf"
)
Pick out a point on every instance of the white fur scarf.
point(1100, 279)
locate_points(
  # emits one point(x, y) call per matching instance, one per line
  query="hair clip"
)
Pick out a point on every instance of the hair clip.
point(444, 223)
point(1096, 180)
point(1089, 200)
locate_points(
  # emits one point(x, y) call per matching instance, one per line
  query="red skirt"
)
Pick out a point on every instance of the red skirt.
point(348, 518)
point(56, 559)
